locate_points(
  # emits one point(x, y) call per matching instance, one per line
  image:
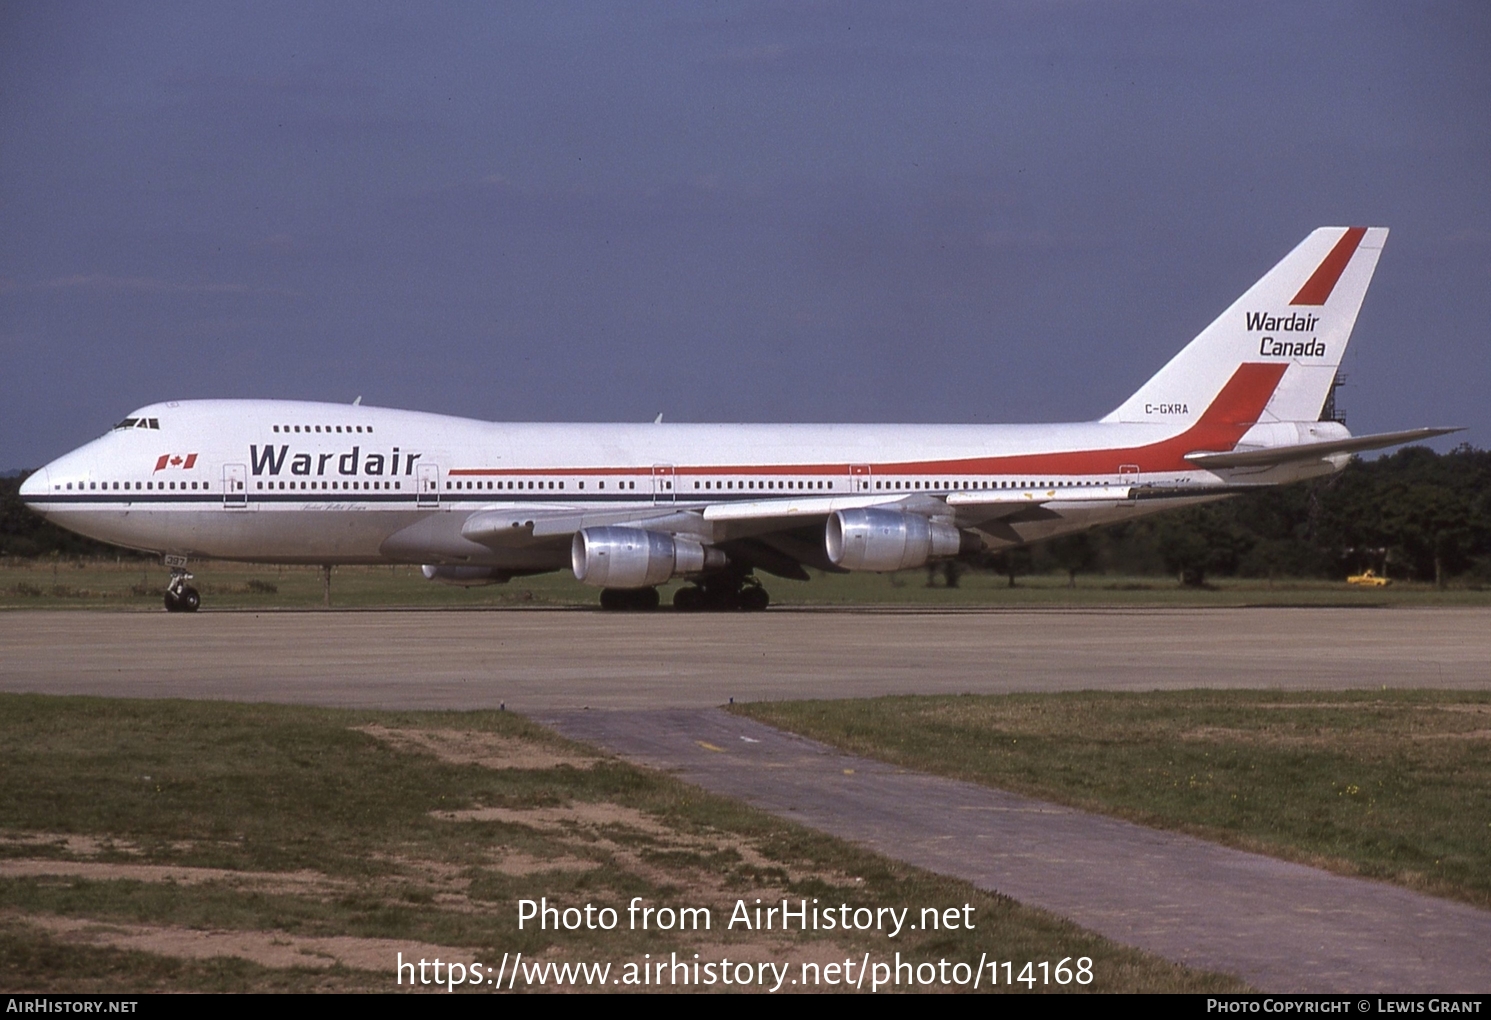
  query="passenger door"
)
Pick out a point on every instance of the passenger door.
point(663, 476)
point(428, 492)
point(235, 486)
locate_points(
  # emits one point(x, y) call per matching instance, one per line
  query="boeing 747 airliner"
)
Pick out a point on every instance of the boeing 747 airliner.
point(629, 507)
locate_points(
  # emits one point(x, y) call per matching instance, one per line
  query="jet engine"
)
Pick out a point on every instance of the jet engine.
point(465, 577)
point(633, 558)
point(868, 539)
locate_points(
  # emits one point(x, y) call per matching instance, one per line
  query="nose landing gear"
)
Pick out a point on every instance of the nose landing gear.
point(180, 596)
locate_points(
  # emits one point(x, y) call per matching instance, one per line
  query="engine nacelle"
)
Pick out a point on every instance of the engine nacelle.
point(868, 539)
point(465, 577)
point(633, 558)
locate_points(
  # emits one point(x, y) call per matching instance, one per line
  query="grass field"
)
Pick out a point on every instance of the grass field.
point(133, 584)
point(173, 845)
point(1389, 784)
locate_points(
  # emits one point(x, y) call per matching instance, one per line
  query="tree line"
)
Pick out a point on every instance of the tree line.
point(1416, 515)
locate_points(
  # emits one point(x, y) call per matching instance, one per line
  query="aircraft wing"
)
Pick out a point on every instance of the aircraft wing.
point(507, 526)
point(736, 518)
point(1267, 456)
point(783, 535)
point(1001, 502)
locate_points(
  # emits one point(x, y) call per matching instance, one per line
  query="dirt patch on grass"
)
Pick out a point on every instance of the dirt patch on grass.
point(1475, 708)
point(1267, 735)
point(69, 843)
point(104, 871)
point(1308, 705)
point(1214, 734)
point(603, 834)
point(593, 815)
point(267, 948)
point(519, 864)
point(475, 747)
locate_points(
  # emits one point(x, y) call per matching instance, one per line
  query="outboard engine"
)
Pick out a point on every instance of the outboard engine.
point(868, 539)
point(632, 558)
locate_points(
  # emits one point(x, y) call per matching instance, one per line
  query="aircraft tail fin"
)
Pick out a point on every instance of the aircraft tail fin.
point(1300, 315)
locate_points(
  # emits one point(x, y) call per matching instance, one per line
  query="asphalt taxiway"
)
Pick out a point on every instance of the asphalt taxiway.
point(1281, 927)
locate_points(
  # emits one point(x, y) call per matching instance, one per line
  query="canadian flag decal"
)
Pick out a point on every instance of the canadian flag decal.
point(175, 460)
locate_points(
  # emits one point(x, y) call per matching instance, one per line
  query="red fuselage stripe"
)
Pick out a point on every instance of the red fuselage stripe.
point(1231, 414)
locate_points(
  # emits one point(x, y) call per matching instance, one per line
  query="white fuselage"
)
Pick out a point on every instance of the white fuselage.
point(283, 481)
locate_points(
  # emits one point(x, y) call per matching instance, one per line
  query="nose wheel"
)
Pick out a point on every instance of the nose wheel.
point(180, 596)
point(185, 601)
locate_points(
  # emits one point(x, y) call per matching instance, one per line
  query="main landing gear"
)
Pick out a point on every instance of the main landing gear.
point(722, 593)
point(180, 596)
point(714, 594)
point(629, 598)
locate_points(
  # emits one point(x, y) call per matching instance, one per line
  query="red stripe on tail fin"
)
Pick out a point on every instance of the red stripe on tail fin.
point(1319, 286)
point(1246, 394)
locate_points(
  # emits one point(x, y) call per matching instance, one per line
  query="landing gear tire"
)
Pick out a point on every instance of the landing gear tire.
point(180, 596)
point(186, 600)
point(636, 599)
point(722, 595)
point(752, 598)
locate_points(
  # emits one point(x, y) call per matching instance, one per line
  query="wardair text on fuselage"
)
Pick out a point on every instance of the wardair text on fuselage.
point(351, 462)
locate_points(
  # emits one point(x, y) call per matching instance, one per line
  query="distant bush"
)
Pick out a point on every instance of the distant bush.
point(1415, 514)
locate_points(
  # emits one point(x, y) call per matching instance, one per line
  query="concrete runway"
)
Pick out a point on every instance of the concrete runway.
point(542, 660)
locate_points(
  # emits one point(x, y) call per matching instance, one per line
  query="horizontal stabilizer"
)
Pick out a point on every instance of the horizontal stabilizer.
point(1311, 451)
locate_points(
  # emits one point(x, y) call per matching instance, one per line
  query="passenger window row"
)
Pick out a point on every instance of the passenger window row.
point(959, 485)
point(151, 486)
point(334, 485)
point(766, 484)
point(321, 428)
point(463, 486)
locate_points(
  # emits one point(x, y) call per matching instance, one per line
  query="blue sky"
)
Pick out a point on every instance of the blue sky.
point(753, 211)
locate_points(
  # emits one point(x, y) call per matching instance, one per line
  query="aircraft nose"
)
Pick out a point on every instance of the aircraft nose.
point(36, 485)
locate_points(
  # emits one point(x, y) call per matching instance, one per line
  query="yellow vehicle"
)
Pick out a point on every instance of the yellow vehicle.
point(1368, 579)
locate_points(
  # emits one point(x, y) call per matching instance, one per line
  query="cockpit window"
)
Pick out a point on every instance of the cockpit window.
point(138, 423)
